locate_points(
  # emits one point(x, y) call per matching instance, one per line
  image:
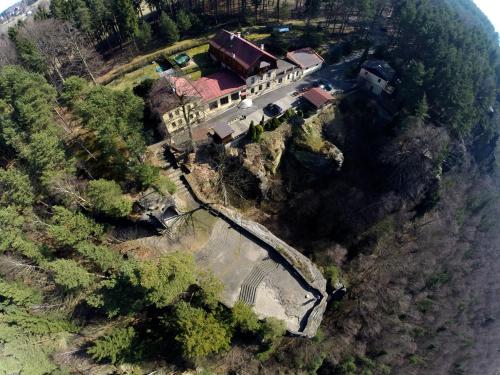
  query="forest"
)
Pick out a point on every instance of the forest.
point(410, 224)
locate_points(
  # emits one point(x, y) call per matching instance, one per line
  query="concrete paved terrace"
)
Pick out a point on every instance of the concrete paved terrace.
point(253, 273)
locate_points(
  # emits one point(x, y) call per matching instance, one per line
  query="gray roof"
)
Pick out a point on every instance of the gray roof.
point(380, 68)
point(283, 66)
point(305, 57)
point(223, 130)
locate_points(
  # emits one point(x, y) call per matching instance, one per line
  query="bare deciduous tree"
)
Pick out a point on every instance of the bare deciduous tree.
point(63, 48)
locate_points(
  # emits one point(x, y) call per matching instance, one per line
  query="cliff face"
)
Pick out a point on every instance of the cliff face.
point(312, 151)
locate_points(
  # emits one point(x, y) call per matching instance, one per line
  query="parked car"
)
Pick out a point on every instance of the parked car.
point(273, 110)
point(324, 84)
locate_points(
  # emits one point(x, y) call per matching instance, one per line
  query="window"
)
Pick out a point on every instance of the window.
point(269, 75)
point(177, 112)
point(235, 96)
point(260, 87)
point(288, 76)
point(252, 90)
point(379, 80)
point(268, 84)
point(224, 100)
point(173, 124)
point(171, 115)
point(280, 80)
point(213, 105)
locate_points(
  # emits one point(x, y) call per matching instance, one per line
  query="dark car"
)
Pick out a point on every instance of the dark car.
point(273, 110)
point(324, 84)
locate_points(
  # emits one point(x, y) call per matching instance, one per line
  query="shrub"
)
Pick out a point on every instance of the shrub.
point(244, 318)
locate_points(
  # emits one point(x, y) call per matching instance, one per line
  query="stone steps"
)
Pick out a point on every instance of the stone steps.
point(254, 279)
point(217, 239)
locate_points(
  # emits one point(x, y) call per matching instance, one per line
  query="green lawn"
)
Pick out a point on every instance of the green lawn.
point(202, 64)
point(132, 79)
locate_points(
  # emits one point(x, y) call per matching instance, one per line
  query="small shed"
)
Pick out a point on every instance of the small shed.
point(223, 133)
point(318, 97)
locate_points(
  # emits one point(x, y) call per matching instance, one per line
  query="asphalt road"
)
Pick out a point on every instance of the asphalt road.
point(282, 96)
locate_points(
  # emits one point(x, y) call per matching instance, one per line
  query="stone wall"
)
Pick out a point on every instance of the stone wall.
point(304, 268)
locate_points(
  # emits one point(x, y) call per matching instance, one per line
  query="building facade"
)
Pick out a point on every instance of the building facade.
point(375, 76)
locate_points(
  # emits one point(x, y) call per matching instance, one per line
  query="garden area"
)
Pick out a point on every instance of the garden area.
point(148, 66)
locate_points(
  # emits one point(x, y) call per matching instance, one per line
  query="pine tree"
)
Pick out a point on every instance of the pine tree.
point(106, 197)
point(422, 109)
point(199, 332)
point(252, 132)
point(183, 22)
point(143, 35)
point(116, 346)
point(168, 29)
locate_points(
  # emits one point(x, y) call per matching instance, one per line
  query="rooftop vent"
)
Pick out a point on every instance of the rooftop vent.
point(262, 47)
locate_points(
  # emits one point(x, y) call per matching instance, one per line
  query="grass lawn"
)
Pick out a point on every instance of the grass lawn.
point(202, 64)
point(135, 77)
point(257, 37)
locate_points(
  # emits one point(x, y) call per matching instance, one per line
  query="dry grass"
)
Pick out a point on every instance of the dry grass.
point(129, 80)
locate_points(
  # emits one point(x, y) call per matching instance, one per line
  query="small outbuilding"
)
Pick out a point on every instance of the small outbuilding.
point(223, 133)
point(307, 59)
point(318, 97)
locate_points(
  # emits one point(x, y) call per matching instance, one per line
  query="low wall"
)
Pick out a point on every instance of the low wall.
point(305, 269)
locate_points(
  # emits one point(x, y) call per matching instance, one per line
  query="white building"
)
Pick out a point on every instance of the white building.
point(376, 75)
point(307, 59)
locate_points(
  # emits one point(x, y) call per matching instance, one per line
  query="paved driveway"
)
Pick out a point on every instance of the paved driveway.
point(281, 96)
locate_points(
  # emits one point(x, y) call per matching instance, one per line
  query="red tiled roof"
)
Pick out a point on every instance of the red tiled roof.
point(244, 52)
point(304, 57)
point(218, 84)
point(183, 87)
point(318, 97)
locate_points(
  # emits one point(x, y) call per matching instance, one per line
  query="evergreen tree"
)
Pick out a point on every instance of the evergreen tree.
point(167, 278)
point(106, 197)
point(168, 29)
point(126, 17)
point(199, 332)
point(252, 132)
point(15, 189)
point(70, 228)
point(103, 257)
point(115, 346)
point(69, 274)
point(183, 22)
point(143, 35)
point(259, 130)
point(422, 109)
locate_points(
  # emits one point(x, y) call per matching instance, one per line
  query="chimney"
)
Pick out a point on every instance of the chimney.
point(232, 36)
point(234, 55)
point(262, 46)
point(238, 34)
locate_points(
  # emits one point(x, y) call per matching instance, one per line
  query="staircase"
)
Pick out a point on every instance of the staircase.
point(254, 278)
point(175, 175)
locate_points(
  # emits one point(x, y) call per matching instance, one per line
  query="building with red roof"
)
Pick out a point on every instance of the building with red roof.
point(218, 85)
point(318, 97)
point(260, 70)
point(240, 55)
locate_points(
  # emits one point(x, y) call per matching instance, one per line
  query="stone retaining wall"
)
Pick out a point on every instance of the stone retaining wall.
point(306, 269)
